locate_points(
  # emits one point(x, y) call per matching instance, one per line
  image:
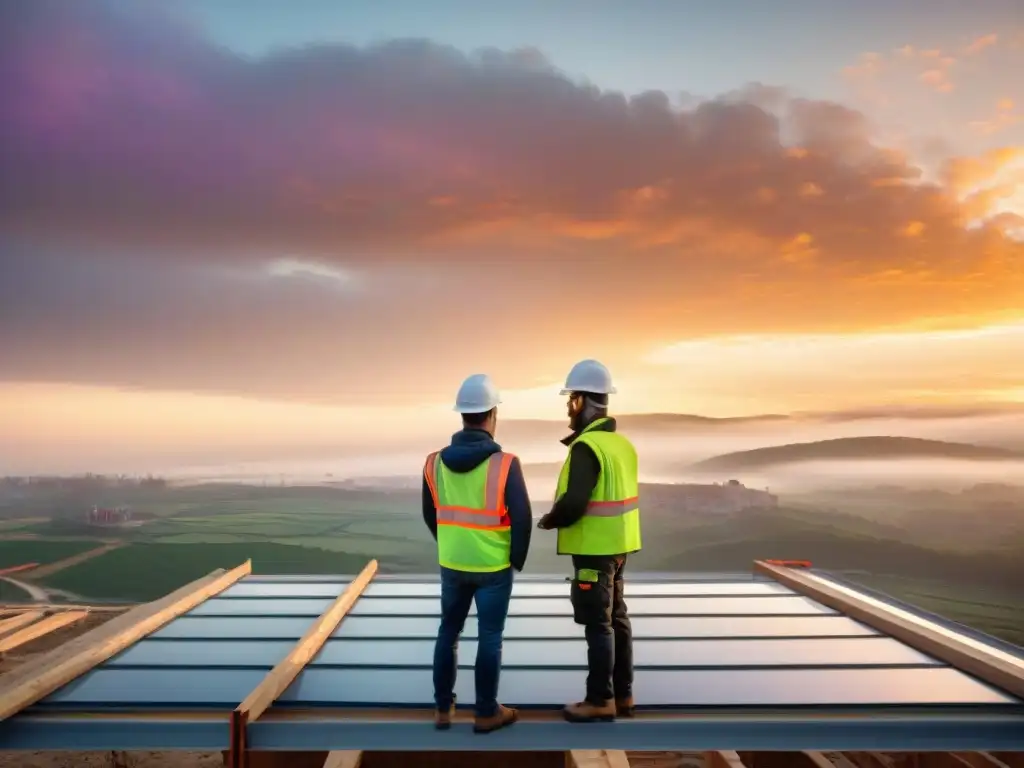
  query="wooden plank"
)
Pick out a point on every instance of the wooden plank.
point(782, 759)
point(18, 621)
point(40, 628)
point(817, 759)
point(723, 759)
point(840, 760)
point(597, 758)
point(30, 682)
point(869, 759)
point(944, 760)
point(344, 758)
point(281, 676)
point(22, 607)
point(981, 760)
point(993, 666)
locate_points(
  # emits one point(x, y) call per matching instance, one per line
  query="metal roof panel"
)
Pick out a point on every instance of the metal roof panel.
point(662, 688)
point(553, 588)
point(651, 627)
point(571, 652)
point(795, 605)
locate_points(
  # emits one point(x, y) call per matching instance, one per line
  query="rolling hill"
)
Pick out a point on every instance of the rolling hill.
point(854, 448)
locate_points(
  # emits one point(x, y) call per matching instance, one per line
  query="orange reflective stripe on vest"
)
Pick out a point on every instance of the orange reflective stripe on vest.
point(612, 508)
point(491, 514)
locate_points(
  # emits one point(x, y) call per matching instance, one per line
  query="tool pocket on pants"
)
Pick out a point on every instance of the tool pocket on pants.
point(590, 597)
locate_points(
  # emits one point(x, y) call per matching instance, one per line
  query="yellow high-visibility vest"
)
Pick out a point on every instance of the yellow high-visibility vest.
point(473, 528)
point(611, 525)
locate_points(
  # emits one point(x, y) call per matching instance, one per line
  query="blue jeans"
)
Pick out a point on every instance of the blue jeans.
point(458, 591)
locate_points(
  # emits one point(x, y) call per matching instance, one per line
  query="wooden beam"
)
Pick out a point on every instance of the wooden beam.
point(18, 621)
point(597, 758)
point(817, 759)
point(36, 679)
point(981, 760)
point(22, 607)
point(868, 759)
point(990, 664)
point(344, 758)
point(41, 628)
point(723, 759)
point(281, 676)
point(781, 759)
point(840, 760)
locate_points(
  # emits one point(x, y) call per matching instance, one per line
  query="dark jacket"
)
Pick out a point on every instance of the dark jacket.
point(468, 450)
point(584, 470)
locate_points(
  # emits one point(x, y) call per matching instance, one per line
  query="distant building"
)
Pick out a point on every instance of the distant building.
point(108, 516)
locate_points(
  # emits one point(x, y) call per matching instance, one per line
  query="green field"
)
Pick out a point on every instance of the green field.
point(11, 593)
point(146, 571)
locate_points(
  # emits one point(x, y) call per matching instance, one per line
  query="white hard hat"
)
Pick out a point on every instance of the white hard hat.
point(477, 395)
point(589, 376)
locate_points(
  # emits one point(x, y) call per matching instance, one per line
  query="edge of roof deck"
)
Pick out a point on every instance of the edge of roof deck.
point(825, 730)
point(983, 727)
point(681, 577)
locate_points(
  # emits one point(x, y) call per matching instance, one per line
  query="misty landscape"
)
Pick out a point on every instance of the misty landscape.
point(928, 506)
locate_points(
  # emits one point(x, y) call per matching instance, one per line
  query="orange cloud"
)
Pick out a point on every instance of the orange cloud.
point(980, 44)
point(872, 74)
point(1006, 116)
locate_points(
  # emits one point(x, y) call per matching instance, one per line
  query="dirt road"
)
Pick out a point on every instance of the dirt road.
point(52, 568)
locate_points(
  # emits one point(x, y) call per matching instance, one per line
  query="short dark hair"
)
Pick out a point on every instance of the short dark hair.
point(476, 419)
point(596, 397)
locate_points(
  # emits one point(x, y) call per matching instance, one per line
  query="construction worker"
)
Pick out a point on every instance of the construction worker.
point(597, 514)
point(476, 506)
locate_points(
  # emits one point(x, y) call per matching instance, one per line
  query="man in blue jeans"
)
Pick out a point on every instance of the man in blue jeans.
point(476, 506)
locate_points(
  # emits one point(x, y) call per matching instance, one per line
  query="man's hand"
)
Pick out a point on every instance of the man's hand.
point(545, 522)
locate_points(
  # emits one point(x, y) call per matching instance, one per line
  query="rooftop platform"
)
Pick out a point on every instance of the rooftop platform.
point(782, 658)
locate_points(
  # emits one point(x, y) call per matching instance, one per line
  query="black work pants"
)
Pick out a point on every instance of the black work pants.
point(599, 605)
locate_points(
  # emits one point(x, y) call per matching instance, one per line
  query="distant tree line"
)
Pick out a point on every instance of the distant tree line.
point(86, 482)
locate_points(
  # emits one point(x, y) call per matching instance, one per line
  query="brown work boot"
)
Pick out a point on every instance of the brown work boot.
point(504, 716)
point(624, 707)
point(587, 712)
point(443, 720)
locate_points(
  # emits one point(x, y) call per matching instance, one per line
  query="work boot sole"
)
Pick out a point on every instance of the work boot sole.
point(573, 718)
point(626, 712)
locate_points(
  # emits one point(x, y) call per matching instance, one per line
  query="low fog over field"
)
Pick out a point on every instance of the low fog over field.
point(672, 444)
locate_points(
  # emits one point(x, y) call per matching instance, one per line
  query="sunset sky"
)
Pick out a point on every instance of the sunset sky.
point(236, 220)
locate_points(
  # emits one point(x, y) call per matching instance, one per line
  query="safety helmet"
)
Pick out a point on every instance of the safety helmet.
point(476, 395)
point(589, 376)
